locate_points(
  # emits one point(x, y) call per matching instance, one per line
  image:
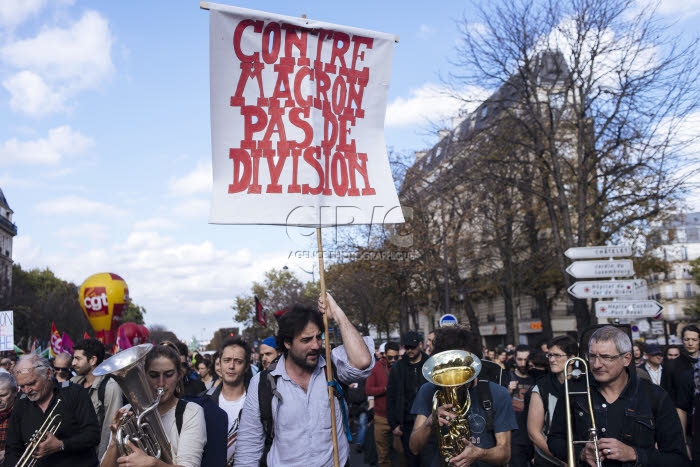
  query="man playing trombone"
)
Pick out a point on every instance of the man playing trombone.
point(52, 424)
point(636, 422)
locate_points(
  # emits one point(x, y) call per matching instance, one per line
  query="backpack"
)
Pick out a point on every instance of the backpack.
point(490, 371)
point(267, 388)
point(216, 447)
point(101, 397)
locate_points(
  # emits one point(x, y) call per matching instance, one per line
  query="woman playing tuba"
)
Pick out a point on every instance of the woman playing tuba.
point(163, 374)
point(486, 447)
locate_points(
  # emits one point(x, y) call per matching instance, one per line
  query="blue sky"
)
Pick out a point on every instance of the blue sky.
point(105, 153)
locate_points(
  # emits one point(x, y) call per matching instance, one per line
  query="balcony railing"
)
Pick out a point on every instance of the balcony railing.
point(9, 226)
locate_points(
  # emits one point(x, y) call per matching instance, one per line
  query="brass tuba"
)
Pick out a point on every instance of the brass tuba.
point(144, 428)
point(452, 370)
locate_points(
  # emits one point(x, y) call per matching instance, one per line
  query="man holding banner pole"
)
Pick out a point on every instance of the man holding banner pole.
point(300, 406)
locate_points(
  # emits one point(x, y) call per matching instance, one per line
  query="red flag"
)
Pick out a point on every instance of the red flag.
point(56, 346)
point(259, 313)
point(86, 335)
point(33, 348)
point(279, 313)
point(67, 343)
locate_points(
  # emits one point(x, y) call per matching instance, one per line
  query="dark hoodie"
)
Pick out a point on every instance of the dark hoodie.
point(405, 379)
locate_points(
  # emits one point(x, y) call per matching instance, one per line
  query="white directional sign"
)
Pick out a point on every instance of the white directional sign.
point(608, 289)
point(628, 309)
point(591, 252)
point(600, 269)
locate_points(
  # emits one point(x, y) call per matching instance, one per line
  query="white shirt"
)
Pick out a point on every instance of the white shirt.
point(233, 410)
point(655, 375)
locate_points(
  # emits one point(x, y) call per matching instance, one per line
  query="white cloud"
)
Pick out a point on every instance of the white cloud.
point(679, 7)
point(193, 209)
point(155, 223)
point(91, 230)
point(29, 94)
point(177, 283)
point(425, 31)
point(15, 12)
point(430, 103)
point(75, 205)
point(60, 142)
point(63, 61)
point(197, 181)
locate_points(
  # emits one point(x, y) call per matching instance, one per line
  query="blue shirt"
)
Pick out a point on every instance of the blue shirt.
point(302, 420)
point(503, 418)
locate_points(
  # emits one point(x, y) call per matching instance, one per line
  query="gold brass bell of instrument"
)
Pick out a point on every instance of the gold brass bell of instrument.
point(144, 428)
point(452, 371)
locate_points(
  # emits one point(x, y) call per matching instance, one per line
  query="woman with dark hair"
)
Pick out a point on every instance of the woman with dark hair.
point(163, 370)
point(549, 388)
point(215, 369)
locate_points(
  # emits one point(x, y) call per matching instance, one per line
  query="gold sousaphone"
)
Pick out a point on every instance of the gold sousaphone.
point(452, 370)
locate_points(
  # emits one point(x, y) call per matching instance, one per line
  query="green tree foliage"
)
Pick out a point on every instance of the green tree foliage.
point(133, 314)
point(280, 289)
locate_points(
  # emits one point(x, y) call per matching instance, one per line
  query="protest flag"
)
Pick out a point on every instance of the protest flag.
point(67, 343)
point(56, 345)
point(259, 312)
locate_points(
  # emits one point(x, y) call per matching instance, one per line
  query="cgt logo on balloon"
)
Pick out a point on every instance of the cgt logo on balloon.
point(95, 301)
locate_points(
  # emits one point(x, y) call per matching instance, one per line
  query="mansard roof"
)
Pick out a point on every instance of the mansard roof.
point(3, 201)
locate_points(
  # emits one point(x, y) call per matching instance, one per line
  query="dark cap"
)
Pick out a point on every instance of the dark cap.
point(411, 339)
point(653, 349)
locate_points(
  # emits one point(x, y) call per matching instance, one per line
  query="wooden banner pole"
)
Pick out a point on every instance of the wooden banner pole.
point(329, 368)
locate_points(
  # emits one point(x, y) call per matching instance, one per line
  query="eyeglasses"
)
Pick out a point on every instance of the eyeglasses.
point(555, 355)
point(409, 347)
point(604, 359)
point(395, 357)
point(59, 369)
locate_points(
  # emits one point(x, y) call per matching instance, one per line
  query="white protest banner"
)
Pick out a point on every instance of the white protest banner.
point(7, 331)
point(297, 121)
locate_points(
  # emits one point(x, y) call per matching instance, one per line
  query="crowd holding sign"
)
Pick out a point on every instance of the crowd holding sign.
point(297, 121)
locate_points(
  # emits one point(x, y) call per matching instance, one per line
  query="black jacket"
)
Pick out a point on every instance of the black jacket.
point(79, 429)
point(650, 425)
point(672, 372)
point(405, 379)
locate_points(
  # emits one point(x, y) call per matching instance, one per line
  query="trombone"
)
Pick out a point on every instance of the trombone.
point(582, 368)
point(50, 425)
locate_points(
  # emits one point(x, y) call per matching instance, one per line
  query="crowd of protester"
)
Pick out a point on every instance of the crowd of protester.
point(269, 405)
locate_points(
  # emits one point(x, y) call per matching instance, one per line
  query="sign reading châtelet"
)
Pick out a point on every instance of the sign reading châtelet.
point(607, 289)
point(590, 252)
point(600, 269)
point(628, 309)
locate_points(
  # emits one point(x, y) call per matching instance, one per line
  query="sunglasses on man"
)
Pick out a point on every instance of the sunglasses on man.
point(59, 369)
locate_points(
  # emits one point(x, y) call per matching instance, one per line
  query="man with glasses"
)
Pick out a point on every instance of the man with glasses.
point(73, 444)
point(61, 367)
point(105, 394)
point(405, 379)
point(635, 420)
point(375, 386)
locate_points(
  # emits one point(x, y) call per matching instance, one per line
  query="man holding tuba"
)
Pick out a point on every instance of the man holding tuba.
point(636, 421)
point(489, 443)
point(52, 424)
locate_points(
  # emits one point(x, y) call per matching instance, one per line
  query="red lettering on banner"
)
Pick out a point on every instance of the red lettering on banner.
point(320, 70)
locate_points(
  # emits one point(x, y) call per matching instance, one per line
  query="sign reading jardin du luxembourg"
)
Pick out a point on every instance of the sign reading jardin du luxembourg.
point(297, 121)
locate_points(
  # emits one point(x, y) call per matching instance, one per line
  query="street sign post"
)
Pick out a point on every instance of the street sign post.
point(608, 289)
point(448, 320)
point(628, 309)
point(601, 269)
point(592, 252)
